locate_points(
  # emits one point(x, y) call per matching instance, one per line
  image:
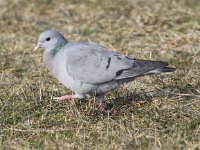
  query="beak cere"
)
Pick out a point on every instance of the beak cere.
point(37, 46)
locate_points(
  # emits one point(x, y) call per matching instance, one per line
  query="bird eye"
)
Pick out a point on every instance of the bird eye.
point(48, 39)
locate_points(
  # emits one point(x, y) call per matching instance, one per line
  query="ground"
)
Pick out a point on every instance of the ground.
point(152, 112)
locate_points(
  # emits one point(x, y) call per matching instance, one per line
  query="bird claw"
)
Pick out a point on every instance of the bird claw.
point(101, 109)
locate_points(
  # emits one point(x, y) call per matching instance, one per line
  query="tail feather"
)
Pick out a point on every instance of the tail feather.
point(143, 67)
point(160, 70)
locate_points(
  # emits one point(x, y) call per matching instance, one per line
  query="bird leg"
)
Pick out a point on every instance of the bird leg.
point(65, 97)
point(101, 107)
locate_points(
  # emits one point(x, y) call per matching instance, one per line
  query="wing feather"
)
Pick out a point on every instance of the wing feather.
point(140, 67)
point(93, 64)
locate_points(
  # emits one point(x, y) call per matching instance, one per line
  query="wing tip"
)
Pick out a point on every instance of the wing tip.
point(167, 69)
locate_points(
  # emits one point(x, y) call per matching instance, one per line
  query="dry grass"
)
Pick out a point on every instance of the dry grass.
point(158, 112)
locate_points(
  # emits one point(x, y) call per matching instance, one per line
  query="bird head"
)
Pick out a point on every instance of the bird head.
point(50, 40)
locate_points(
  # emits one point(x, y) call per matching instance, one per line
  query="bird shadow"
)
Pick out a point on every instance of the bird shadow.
point(128, 98)
point(119, 101)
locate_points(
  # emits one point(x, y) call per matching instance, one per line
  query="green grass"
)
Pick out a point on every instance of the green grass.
point(152, 112)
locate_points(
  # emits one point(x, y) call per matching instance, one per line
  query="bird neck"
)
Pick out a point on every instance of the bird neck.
point(54, 50)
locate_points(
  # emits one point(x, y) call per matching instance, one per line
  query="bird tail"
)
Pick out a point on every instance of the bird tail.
point(143, 67)
point(160, 70)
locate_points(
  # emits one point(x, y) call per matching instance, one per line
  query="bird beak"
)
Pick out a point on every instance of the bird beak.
point(37, 46)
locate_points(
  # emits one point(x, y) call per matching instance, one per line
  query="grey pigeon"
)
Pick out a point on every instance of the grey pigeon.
point(89, 69)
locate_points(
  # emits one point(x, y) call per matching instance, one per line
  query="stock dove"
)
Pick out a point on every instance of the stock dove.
point(90, 69)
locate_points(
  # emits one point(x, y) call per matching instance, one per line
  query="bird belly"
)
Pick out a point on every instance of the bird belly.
point(72, 84)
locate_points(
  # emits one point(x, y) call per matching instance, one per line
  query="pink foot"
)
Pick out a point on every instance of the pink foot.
point(101, 107)
point(63, 98)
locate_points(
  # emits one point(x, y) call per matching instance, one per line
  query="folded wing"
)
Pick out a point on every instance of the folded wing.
point(93, 64)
